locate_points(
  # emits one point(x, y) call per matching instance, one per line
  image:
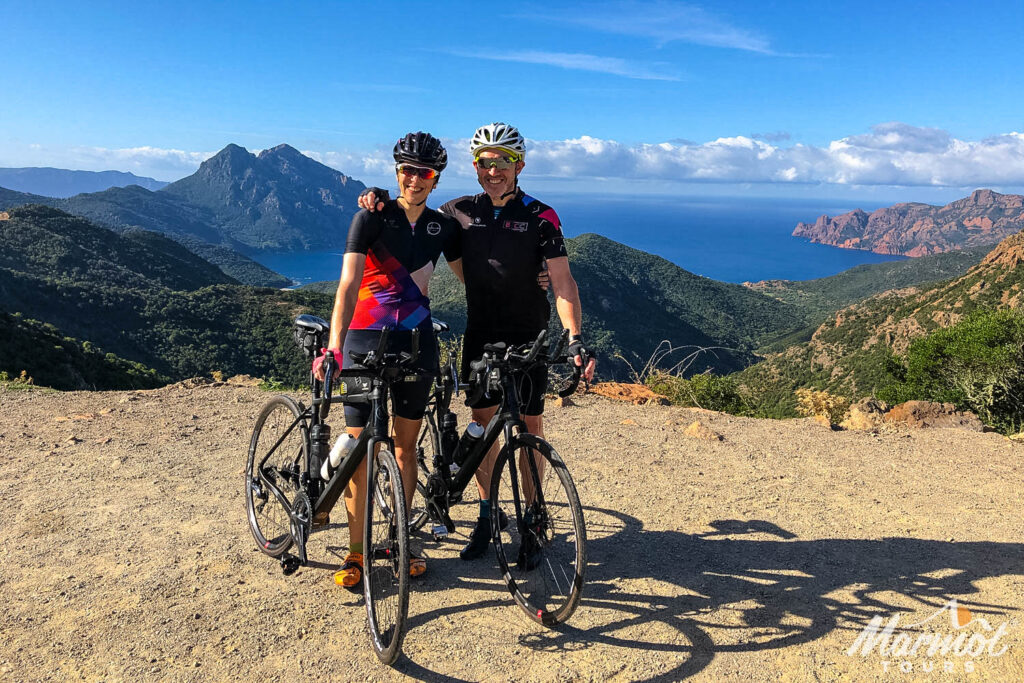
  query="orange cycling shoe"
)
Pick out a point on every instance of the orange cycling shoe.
point(350, 575)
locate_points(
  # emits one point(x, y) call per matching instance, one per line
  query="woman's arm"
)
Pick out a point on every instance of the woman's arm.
point(345, 299)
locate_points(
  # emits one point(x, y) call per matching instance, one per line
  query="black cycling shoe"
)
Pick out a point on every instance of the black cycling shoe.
point(529, 553)
point(480, 537)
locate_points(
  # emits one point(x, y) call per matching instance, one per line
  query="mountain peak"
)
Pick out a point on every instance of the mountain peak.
point(283, 150)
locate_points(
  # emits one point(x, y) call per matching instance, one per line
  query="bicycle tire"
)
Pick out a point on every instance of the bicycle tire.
point(554, 538)
point(386, 559)
point(427, 445)
point(269, 519)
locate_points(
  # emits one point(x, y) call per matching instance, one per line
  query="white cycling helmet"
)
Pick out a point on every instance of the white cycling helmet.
point(498, 135)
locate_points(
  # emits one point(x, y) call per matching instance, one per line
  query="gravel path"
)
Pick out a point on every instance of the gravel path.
point(761, 556)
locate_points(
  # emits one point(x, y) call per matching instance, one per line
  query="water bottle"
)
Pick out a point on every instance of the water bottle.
point(474, 432)
point(319, 438)
point(449, 438)
point(342, 447)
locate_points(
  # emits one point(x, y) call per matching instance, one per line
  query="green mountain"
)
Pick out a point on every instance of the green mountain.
point(44, 240)
point(129, 208)
point(821, 297)
point(633, 300)
point(849, 353)
point(144, 298)
point(279, 200)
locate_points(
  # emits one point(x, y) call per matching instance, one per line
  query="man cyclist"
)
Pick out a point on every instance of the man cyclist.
point(507, 236)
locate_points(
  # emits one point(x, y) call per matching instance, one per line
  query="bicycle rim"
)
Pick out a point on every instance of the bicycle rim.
point(542, 551)
point(386, 559)
point(285, 446)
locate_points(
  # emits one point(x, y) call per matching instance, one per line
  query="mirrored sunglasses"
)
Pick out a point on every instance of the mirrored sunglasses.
point(409, 170)
point(500, 163)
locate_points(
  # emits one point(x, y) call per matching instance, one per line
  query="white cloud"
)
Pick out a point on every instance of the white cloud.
point(356, 164)
point(578, 62)
point(892, 154)
point(155, 162)
point(663, 22)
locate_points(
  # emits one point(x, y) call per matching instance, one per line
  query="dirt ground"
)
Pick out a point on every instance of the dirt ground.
point(126, 554)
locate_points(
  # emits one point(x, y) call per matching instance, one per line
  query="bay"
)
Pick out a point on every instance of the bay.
point(724, 238)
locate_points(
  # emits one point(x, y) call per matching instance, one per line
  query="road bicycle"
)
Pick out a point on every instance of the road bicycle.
point(537, 520)
point(287, 497)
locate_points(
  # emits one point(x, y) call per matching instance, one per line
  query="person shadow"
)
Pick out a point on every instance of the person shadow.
point(783, 590)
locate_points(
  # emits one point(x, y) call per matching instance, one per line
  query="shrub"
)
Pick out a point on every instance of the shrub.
point(810, 402)
point(977, 364)
point(708, 391)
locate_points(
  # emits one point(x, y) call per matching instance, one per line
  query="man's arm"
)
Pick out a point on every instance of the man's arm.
point(567, 304)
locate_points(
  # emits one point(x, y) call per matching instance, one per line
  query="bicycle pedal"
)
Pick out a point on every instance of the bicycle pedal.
point(290, 564)
point(439, 531)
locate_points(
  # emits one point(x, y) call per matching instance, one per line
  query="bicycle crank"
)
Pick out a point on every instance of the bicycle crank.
point(301, 518)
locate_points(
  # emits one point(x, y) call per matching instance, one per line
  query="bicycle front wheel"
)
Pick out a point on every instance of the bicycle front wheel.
point(278, 457)
point(386, 558)
point(542, 552)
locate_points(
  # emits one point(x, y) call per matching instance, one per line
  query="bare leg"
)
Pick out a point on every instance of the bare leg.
point(483, 472)
point(534, 425)
point(405, 433)
point(355, 496)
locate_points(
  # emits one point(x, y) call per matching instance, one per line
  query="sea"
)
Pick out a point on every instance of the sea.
point(723, 238)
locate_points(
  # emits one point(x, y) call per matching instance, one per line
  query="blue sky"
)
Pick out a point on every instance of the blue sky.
point(872, 99)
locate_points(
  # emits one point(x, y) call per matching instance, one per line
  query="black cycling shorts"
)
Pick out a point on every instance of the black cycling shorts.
point(409, 396)
point(532, 385)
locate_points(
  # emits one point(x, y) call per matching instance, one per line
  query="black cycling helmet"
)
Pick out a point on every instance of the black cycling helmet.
point(422, 149)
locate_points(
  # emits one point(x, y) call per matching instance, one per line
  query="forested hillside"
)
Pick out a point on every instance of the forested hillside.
point(852, 352)
point(148, 304)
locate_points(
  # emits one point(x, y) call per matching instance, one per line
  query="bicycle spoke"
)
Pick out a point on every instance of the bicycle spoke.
point(277, 456)
point(542, 554)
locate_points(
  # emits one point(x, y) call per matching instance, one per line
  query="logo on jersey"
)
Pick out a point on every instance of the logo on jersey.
point(516, 226)
point(433, 229)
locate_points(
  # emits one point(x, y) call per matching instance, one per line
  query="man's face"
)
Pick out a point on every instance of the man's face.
point(497, 181)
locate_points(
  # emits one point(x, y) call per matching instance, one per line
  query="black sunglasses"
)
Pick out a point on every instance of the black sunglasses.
point(500, 163)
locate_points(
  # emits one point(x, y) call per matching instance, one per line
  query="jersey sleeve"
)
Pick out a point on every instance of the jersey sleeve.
point(552, 244)
point(363, 232)
point(453, 241)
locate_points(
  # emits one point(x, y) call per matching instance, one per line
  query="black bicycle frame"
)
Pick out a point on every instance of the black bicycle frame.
point(375, 433)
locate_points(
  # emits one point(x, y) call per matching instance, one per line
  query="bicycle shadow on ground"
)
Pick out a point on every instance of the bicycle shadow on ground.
point(755, 584)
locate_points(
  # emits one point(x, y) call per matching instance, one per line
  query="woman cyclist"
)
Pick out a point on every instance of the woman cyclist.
point(389, 258)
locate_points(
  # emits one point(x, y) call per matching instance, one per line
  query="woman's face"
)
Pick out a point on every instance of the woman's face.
point(412, 187)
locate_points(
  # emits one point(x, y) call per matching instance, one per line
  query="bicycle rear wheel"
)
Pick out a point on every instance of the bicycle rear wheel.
point(542, 553)
point(427, 446)
point(280, 442)
point(386, 558)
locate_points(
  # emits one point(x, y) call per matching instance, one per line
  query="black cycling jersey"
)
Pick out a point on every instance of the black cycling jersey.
point(388, 295)
point(502, 256)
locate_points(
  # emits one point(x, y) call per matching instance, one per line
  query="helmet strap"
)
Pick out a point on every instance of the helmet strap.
point(515, 188)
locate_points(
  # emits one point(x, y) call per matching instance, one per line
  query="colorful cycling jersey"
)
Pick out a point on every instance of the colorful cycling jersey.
point(502, 254)
point(395, 251)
